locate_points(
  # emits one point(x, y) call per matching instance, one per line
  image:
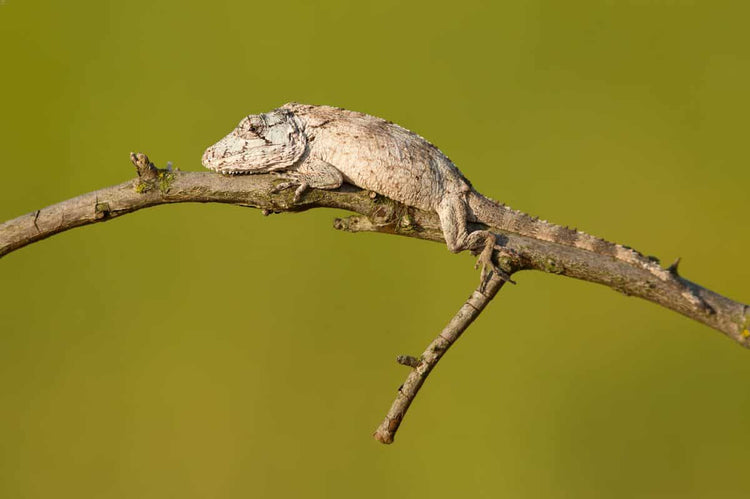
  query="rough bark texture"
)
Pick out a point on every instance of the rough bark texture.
point(156, 186)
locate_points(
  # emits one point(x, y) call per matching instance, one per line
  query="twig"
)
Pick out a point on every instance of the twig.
point(422, 367)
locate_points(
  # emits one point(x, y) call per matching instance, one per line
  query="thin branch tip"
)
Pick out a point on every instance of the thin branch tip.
point(421, 368)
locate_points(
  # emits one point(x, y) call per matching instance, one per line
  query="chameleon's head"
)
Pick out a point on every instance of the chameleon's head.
point(261, 143)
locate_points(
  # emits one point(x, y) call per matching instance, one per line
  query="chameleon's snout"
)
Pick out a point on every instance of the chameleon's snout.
point(206, 158)
point(227, 154)
point(216, 154)
point(209, 158)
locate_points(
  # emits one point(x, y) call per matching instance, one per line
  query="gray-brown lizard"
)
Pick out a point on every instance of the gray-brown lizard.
point(321, 147)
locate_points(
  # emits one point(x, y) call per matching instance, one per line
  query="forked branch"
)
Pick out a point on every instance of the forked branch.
point(155, 186)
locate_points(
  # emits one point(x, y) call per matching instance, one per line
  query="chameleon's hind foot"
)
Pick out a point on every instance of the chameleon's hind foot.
point(486, 262)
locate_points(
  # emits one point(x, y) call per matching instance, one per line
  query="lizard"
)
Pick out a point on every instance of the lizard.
point(322, 147)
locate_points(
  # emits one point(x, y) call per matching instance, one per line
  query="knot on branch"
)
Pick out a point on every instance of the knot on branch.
point(407, 360)
point(145, 168)
point(149, 176)
point(355, 223)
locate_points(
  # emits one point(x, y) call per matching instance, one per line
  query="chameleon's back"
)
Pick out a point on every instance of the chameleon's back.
point(375, 154)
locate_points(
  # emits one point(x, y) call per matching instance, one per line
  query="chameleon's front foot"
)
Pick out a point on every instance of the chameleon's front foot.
point(301, 187)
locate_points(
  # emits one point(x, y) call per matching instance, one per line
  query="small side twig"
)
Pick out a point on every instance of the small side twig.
point(143, 166)
point(422, 367)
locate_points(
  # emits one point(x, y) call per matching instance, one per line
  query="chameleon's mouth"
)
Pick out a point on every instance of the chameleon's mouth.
point(209, 161)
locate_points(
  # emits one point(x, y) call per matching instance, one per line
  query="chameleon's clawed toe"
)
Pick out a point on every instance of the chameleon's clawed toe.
point(488, 265)
point(301, 188)
point(282, 187)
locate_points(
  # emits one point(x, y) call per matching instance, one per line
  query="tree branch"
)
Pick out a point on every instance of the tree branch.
point(155, 186)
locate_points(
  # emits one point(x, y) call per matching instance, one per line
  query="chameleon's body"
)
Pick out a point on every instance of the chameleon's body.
point(322, 147)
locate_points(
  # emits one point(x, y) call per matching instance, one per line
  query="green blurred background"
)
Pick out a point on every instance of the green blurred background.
point(206, 351)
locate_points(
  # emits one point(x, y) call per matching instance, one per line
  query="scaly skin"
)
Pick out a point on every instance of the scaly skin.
point(322, 147)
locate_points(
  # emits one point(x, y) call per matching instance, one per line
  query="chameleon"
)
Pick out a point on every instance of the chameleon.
point(321, 147)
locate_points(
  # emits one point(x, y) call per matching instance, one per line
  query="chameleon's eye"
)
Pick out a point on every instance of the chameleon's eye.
point(256, 126)
point(251, 127)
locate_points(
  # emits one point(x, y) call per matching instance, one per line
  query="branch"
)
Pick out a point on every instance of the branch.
point(422, 367)
point(155, 186)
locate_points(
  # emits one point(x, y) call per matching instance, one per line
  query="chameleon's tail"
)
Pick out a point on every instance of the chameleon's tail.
point(503, 217)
